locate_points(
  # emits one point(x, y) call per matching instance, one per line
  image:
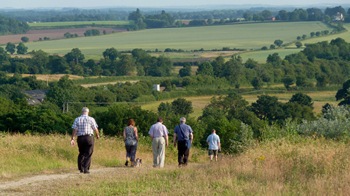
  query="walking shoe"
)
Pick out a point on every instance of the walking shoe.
point(126, 163)
point(86, 172)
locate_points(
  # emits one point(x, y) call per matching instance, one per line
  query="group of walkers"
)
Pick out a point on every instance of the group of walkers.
point(84, 127)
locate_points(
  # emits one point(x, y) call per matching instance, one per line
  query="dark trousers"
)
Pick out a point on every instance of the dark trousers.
point(131, 152)
point(86, 148)
point(182, 152)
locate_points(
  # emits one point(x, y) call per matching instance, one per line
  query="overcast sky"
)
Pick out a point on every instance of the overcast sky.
point(156, 3)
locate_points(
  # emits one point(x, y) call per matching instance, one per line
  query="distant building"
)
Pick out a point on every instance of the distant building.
point(339, 17)
point(35, 97)
point(156, 87)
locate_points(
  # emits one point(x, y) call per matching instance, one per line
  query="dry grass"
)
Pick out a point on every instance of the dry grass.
point(285, 167)
point(50, 77)
point(199, 102)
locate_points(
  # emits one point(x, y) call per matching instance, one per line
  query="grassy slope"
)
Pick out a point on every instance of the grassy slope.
point(261, 56)
point(297, 166)
point(245, 36)
point(198, 103)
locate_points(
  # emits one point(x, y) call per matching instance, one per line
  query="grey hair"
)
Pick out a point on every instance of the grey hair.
point(85, 110)
point(182, 119)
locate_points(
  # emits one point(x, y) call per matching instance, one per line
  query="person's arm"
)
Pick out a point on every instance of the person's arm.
point(166, 140)
point(191, 137)
point(124, 134)
point(175, 139)
point(74, 133)
point(136, 134)
point(97, 133)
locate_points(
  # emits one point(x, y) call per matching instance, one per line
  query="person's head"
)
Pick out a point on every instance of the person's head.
point(160, 119)
point(182, 120)
point(213, 131)
point(131, 122)
point(85, 110)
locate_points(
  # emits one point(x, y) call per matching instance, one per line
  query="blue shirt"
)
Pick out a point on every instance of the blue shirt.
point(84, 125)
point(186, 131)
point(213, 141)
point(158, 130)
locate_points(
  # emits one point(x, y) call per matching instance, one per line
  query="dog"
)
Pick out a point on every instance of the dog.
point(138, 162)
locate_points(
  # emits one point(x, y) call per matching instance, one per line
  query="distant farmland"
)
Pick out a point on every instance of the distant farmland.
point(241, 36)
point(40, 25)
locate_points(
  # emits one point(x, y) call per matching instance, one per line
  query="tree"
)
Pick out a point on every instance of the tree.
point(4, 57)
point(278, 42)
point(288, 81)
point(343, 94)
point(111, 54)
point(257, 83)
point(205, 69)
point(268, 108)
point(10, 47)
point(24, 39)
point(39, 62)
point(185, 71)
point(302, 99)
point(21, 48)
point(298, 44)
point(274, 59)
point(75, 56)
point(181, 106)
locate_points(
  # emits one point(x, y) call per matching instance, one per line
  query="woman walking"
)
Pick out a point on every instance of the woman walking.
point(131, 139)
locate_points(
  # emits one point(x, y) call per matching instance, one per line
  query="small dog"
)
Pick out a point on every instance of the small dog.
point(138, 162)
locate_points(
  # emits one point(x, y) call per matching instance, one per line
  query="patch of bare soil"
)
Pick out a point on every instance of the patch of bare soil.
point(36, 35)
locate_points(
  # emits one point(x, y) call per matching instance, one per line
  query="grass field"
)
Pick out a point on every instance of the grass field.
point(319, 99)
point(243, 36)
point(46, 165)
point(261, 55)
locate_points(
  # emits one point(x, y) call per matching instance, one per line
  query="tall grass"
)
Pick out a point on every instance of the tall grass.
point(34, 154)
point(298, 166)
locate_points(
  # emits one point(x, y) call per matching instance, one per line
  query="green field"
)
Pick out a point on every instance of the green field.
point(242, 36)
point(76, 23)
point(261, 55)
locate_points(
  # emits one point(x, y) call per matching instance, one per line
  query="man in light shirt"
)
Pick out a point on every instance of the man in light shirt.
point(159, 135)
point(83, 128)
point(213, 141)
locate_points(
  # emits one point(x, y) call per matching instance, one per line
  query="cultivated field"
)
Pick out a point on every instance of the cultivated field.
point(76, 24)
point(52, 34)
point(242, 36)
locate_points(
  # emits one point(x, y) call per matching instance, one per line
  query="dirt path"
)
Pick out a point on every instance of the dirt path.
point(42, 184)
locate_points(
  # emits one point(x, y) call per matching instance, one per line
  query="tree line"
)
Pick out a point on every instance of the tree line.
point(12, 26)
point(321, 64)
point(237, 121)
point(326, 63)
point(149, 18)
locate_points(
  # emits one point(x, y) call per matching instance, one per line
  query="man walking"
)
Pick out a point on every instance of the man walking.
point(213, 141)
point(183, 138)
point(84, 127)
point(159, 135)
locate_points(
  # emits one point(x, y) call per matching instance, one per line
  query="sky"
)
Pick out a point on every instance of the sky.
point(157, 3)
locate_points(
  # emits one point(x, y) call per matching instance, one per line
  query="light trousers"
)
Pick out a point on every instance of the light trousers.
point(158, 148)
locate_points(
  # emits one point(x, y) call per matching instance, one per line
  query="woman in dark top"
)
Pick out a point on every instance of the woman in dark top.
point(130, 139)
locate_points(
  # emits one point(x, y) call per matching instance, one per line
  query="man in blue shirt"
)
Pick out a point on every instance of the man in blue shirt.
point(183, 138)
point(213, 141)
